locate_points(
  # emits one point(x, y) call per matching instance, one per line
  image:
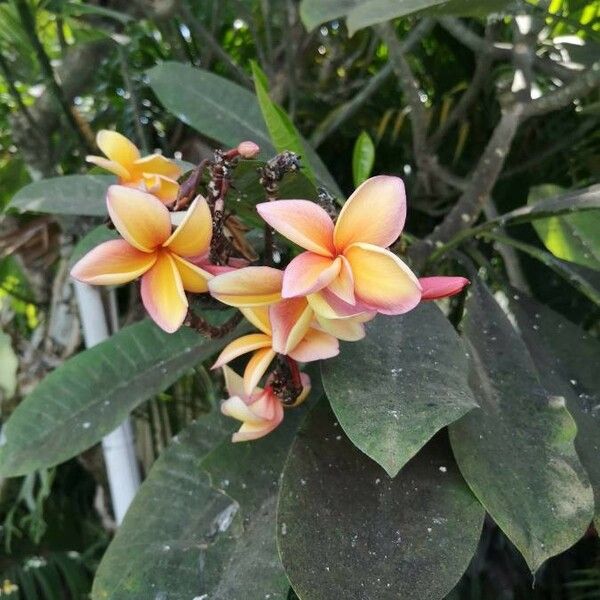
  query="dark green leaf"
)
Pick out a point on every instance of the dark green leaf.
point(393, 390)
point(517, 451)
point(67, 195)
point(246, 192)
point(363, 158)
point(203, 522)
point(573, 237)
point(585, 280)
point(220, 109)
point(567, 360)
point(346, 530)
point(90, 394)
point(362, 13)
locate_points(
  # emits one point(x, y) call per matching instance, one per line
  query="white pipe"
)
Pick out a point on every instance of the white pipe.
point(118, 446)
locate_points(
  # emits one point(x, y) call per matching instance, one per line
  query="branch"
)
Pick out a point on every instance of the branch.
point(28, 21)
point(345, 111)
point(479, 187)
point(14, 92)
point(559, 98)
point(205, 35)
point(410, 88)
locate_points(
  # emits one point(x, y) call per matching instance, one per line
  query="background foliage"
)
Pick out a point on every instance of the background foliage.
point(426, 90)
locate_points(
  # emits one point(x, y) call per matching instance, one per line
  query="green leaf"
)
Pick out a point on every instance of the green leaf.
point(93, 238)
point(282, 131)
point(67, 195)
point(517, 451)
point(203, 522)
point(363, 158)
point(222, 110)
point(91, 393)
point(9, 363)
point(246, 192)
point(362, 13)
point(393, 390)
point(585, 280)
point(574, 237)
point(567, 359)
point(346, 530)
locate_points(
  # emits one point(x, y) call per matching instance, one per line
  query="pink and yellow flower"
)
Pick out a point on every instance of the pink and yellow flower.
point(346, 268)
point(260, 412)
point(151, 250)
point(297, 339)
point(154, 173)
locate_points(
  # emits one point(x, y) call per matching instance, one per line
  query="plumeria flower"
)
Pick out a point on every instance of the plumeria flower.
point(297, 339)
point(260, 412)
point(346, 268)
point(153, 173)
point(150, 250)
point(290, 319)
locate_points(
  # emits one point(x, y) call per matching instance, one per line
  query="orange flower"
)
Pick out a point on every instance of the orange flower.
point(151, 251)
point(154, 173)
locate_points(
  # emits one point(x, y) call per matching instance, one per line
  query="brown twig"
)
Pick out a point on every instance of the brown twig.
point(200, 324)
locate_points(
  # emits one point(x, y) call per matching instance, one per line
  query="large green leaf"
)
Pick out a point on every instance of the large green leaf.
point(573, 237)
point(282, 131)
point(346, 530)
point(362, 13)
point(567, 359)
point(517, 451)
point(67, 195)
point(393, 390)
point(221, 110)
point(203, 523)
point(90, 394)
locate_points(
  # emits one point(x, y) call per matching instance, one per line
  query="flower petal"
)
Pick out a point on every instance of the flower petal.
point(308, 273)
point(112, 263)
point(259, 317)
point(163, 188)
point(330, 306)
point(290, 321)
point(110, 165)
point(117, 147)
point(139, 217)
point(257, 366)
point(193, 235)
point(302, 222)
point(316, 345)
point(441, 287)
point(250, 286)
point(349, 330)
point(236, 408)
point(248, 431)
point(343, 285)
point(243, 345)
point(374, 213)
point(194, 278)
point(157, 164)
point(381, 280)
point(163, 295)
point(233, 382)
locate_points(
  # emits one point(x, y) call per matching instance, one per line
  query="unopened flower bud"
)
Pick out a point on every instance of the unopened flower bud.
point(248, 149)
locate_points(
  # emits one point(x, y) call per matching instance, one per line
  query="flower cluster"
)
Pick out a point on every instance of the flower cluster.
point(343, 278)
